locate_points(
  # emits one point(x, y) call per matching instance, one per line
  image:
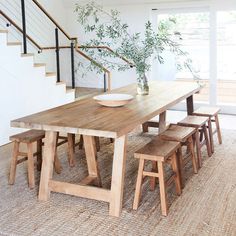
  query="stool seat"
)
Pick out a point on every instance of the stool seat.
point(157, 150)
point(178, 133)
point(194, 121)
point(28, 136)
point(207, 111)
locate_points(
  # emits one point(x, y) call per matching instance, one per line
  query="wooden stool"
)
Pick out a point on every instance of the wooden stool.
point(200, 123)
point(162, 152)
point(212, 113)
point(184, 135)
point(29, 138)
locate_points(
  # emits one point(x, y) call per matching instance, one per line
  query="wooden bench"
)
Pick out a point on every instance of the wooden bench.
point(163, 152)
point(200, 124)
point(184, 135)
point(212, 114)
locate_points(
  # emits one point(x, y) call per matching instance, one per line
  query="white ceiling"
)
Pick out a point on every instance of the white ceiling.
point(121, 2)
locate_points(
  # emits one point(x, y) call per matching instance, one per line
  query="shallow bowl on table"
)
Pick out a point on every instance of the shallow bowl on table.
point(113, 100)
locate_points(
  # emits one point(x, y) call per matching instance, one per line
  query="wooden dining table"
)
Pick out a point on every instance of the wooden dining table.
point(86, 117)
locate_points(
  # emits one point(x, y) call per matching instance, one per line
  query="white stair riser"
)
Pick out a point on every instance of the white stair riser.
point(3, 38)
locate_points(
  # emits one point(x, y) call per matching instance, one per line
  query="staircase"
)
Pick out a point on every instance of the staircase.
point(25, 86)
point(30, 36)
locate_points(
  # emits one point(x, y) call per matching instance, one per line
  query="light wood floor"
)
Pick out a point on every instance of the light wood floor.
point(81, 93)
point(226, 91)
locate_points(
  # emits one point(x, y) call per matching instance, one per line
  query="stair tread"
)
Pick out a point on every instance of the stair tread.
point(27, 55)
point(3, 31)
point(39, 64)
point(14, 43)
point(70, 90)
point(48, 74)
point(60, 83)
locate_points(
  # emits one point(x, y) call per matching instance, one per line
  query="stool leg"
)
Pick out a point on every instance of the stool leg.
point(191, 149)
point(39, 154)
point(218, 129)
point(162, 186)
point(153, 179)
point(138, 184)
point(211, 135)
point(12, 175)
point(207, 141)
point(198, 147)
point(30, 164)
point(71, 149)
point(201, 135)
point(175, 169)
point(145, 127)
point(97, 143)
point(57, 164)
point(181, 166)
point(81, 142)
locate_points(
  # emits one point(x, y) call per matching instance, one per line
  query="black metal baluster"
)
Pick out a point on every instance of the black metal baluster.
point(105, 82)
point(72, 65)
point(57, 55)
point(24, 26)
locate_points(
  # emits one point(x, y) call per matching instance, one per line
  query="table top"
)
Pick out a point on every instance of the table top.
point(89, 118)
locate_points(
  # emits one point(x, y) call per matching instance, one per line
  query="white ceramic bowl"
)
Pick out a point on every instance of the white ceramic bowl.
point(113, 99)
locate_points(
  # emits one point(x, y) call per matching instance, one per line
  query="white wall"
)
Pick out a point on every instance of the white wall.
point(136, 15)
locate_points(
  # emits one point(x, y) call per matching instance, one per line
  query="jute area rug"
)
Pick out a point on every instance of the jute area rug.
point(206, 207)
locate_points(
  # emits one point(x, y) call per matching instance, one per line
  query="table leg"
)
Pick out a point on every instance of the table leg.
point(47, 165)
point(118, 174)
point(91, 156)
point(190, 107)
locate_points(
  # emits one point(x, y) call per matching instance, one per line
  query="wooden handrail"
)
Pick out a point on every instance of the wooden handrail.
point(93, 61)
point(82, 54)
point(74, 38)
point(109, 49)
point(51, 18)
point(52, 48)
point(19, 29)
